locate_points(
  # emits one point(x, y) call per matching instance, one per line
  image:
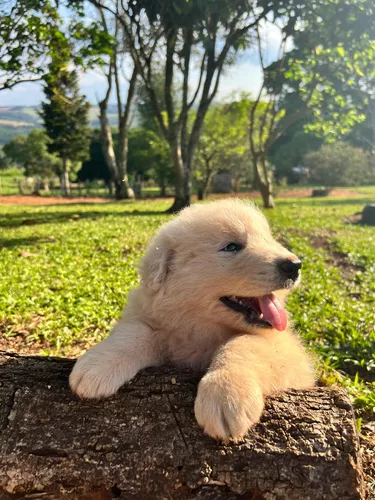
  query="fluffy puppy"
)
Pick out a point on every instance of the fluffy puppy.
point(211, 297)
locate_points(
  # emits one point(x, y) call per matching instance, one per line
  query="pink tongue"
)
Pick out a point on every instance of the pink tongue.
point(273, 311)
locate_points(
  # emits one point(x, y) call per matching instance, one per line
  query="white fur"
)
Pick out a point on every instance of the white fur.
point(175, 316)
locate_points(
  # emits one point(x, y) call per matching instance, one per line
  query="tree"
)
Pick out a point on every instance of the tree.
point(65, 117)
point(95, 167)
point(338, 164)
point(363, 133)
point(31, 153)
point(32, 33)
point(287, 152)
point(322, 76)
point(5, 162)
point(176, 36)
point(223, 144)
point(149, 156)
point(116, 158)
point(29, 33)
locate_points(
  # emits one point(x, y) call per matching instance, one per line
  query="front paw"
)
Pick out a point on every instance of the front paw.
point(95, 376)
point(227, 409)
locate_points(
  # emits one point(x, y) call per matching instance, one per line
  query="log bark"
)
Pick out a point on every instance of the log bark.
point(144, 442)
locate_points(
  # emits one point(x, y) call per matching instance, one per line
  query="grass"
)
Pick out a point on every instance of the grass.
point(9, 181)
point(9, 185)
point(67, 270)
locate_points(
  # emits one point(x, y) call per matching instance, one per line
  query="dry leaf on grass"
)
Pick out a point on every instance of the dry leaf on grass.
point(25, 253)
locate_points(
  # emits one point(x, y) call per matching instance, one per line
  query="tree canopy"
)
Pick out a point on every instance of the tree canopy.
point(65, 118)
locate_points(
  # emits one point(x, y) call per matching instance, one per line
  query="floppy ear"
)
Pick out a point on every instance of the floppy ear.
point(156, 264)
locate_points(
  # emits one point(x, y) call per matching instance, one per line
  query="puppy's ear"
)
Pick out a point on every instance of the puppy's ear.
point(156, 264)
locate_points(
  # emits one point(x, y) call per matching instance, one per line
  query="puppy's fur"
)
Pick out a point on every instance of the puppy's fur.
point(176, 316)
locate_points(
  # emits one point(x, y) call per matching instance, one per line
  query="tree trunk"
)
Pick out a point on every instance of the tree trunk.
point(204, 187)
point(106, 142)
point(65, 183)
point(237, 184)
point(264, 185)
point(163, 187)
point(37, 187)
point(123, 189)
point(182, 191)
point(110, 188)
point(267, 196)
point(144, 443)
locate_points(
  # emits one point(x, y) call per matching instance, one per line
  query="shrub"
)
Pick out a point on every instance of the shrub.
point(338, 164)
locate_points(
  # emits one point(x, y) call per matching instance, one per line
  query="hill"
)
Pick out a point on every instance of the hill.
point(20, 120)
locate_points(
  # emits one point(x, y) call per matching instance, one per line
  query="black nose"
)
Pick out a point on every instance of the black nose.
point(290, 268)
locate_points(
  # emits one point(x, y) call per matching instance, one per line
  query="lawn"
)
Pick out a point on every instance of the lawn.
point(67, 270)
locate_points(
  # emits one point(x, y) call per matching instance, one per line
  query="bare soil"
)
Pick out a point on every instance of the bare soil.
point(336, 258)
point(44, 200)
point(58, 200)
point(291, 193)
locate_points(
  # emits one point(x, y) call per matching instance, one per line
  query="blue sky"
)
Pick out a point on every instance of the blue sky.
point(245, 75)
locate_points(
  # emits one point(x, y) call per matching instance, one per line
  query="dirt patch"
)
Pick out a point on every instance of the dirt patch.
point(290, 193)
point(336, 258)
point(53, 200)
point(57, 200)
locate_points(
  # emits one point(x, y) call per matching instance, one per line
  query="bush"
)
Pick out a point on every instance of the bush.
point(338, 164)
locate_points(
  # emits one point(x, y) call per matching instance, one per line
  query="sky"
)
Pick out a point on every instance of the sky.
point(245, 75)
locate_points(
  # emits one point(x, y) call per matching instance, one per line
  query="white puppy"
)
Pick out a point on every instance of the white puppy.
point(211, 297)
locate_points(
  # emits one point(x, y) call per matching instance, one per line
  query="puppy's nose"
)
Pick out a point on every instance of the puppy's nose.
point(290, 268)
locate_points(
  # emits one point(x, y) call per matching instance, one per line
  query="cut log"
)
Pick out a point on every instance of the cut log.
point(368, 215)
point(145, 444)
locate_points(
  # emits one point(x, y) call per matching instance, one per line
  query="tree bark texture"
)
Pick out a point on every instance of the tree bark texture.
point(145, 444)
point(106, 141)
point(180, 199)
point(65, 178)
point(264, 185)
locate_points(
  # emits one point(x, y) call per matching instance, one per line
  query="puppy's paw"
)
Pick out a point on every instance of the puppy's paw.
point(96, 376)
point(227, 409)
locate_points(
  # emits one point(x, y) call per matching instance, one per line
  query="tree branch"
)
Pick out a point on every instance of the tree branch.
point(129, 101)
point(190, 104)
point(8, 86)
point(183, 118)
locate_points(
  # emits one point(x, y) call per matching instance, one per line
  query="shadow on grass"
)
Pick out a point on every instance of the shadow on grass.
point(19, 242)
point(33, 219)
point(324, 202)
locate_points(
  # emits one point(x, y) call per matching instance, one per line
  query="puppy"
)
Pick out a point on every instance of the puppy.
point(213, 285)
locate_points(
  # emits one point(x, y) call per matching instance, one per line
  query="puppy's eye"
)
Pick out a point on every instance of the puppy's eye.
point(232, 247)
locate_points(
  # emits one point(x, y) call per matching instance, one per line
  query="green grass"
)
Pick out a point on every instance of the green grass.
point(9, 185)
point(67, 270)
point(9, 181)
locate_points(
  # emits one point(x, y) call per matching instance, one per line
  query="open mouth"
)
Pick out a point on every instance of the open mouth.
point(265, 311)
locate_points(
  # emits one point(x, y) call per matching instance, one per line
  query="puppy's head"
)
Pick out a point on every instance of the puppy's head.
point(220, 262)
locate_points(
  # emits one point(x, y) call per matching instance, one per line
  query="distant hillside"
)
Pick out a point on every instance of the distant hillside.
point(19, 120)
